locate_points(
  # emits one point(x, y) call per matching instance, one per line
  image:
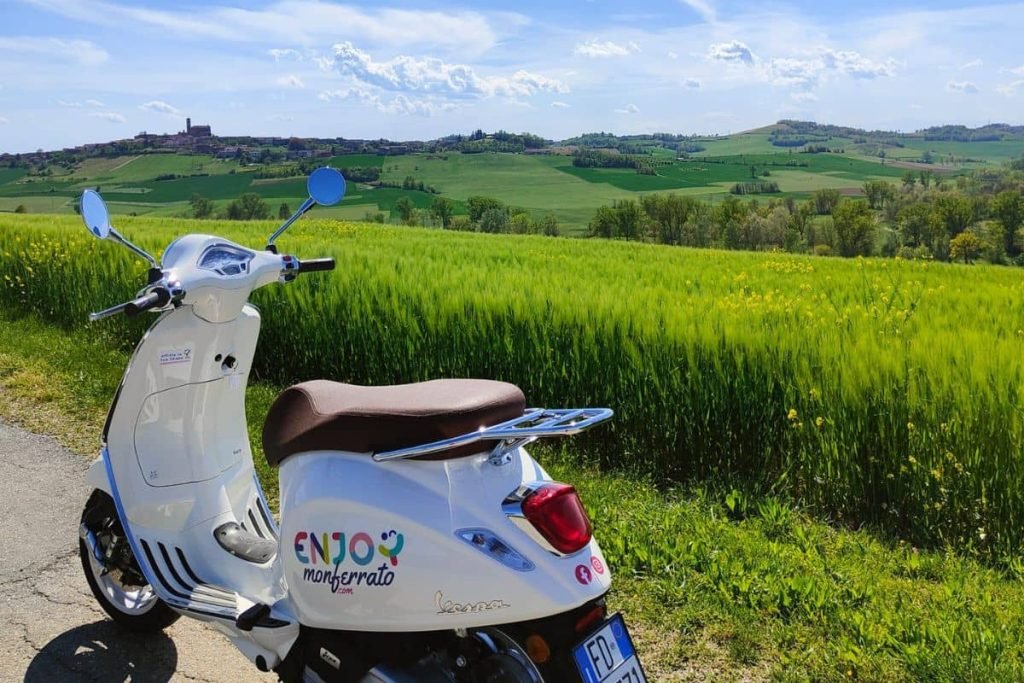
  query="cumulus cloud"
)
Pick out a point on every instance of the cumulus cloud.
point(672, 55)
point(79, 105)
point(560, 105)
point(965, 87)
point(1009, 89)
point(399, 104)
point(702, 7)
point(597, 48)
point(161, 107)
point(111, 116)
point(806, 72)
point(290, 81)
point(691, 83)
point(733, 51)
point(628, 109)
point(80, 51)
point(284, 53)
point(432, 76)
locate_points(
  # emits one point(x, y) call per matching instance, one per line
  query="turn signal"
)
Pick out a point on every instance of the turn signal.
point(557, 513)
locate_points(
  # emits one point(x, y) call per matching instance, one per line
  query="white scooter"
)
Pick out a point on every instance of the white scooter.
point(418, 541)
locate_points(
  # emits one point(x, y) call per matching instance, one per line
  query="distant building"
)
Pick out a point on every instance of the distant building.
point(197, 131)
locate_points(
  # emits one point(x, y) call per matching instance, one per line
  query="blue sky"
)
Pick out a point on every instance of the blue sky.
point(76, 71)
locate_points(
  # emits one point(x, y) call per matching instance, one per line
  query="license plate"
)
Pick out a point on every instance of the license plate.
point(608, 655)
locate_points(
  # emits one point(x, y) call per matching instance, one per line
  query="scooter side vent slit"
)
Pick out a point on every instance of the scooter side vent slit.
point(267, 523)
point(255, 525)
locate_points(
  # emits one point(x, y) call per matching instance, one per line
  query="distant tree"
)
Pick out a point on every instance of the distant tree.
point(284, 211)
point(965, 246)
point(1016, 164)
point(201, 206)
point(20, 209)
point(494, 220)
point(825, 200)
point(917, 225)
point(1007, 209)
point(729, 217)
point(926, 178)
point(909, 179)
point(855, 228)
point(519, 224)
point(878, 193)
point(250, 206)
point(546, 225)
point(477, 205)
point(442, 209)
point(955, 212)
point(603, 222)
point(405, 208)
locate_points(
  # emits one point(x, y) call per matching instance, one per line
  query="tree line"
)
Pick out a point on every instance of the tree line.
point(972, 217)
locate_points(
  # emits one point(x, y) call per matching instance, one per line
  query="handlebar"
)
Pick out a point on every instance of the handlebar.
point(316, 264)
point(159, 296)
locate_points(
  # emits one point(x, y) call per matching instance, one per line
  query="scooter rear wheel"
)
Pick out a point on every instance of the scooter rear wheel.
point(115, 578)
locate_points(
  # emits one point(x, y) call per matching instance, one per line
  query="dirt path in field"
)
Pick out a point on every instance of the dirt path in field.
point(122, 165)
point(52, 628)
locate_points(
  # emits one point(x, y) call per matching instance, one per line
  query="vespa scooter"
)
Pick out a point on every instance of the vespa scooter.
point(418, 541)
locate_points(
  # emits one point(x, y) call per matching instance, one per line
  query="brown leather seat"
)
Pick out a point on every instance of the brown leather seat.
point(323, 415)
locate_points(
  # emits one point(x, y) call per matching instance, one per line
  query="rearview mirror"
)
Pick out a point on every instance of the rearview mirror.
point(326, 186)
point(95, 214)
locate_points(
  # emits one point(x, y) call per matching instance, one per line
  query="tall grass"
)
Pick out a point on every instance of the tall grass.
point(875, 391)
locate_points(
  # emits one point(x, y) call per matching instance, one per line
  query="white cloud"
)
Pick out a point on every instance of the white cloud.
point(284, 53)
point(973, 64)
point(560, 105)
point(433, 76)
point(672, 55)
point(80, 51)
point(807, 72)
point(399, 104)
point(161, 107)
point(803, 97)
point(701, 7)
point(111, 116)
point(606, 48)
point(1018, 70)
point(628, 109)
point(854, 64)
point(692, 83)
point(732, 51)
point(1009, 89)
point(79, 105)
point(290, 81)
point(965, 87)
point(4, 120)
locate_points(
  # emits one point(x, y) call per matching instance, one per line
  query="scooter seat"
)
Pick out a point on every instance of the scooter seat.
point(322, 415)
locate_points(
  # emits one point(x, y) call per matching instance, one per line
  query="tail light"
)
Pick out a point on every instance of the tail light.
point(557, 514)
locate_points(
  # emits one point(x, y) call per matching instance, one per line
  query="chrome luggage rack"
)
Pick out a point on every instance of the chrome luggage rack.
point(535, 423)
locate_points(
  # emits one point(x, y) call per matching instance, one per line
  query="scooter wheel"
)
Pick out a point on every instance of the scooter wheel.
point(117, 582)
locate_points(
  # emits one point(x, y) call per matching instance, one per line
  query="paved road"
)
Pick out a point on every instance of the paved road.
point(50, 627)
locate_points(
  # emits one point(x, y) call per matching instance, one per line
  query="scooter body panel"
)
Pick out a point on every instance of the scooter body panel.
point(374, 546)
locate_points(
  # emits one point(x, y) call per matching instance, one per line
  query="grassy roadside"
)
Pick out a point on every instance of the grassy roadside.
point(717, 587)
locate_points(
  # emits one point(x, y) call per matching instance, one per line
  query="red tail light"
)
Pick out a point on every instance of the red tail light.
point(557, 513)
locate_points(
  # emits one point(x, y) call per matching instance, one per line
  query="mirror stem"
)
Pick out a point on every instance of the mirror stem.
point(306, 206)
point(144, 254)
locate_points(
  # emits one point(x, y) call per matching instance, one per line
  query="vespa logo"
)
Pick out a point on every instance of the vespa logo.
point(449, 607)
point(337, 548)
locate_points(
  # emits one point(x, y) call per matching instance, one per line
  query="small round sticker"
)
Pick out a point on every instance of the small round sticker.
point(583, 574)
point(596, 564)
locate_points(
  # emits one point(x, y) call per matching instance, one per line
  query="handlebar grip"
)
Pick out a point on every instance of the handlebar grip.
point(315, 264)
point(157, 297)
